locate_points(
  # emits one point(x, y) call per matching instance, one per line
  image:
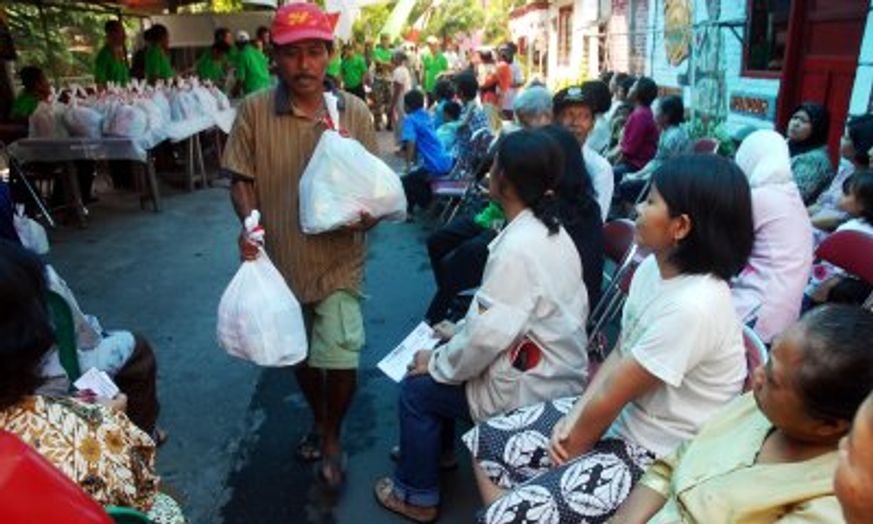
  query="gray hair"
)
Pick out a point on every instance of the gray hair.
point(535, 100)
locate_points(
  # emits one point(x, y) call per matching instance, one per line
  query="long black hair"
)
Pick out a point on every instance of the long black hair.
point(532, 162)
point(574, 189)
point(820, 121)
point(26, 333)
point(577, 208)
point(715, 195)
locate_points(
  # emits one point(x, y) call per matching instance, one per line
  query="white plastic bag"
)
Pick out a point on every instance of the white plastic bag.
point(47, 120)
point(127, 121)
point(83, 121)
point(30, 232)
point(259, 319)
point(343, 179)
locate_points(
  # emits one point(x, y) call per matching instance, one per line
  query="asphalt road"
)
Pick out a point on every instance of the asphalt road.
point(233, 426)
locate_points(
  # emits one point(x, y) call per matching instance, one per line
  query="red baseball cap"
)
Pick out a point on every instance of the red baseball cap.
point(300, 21)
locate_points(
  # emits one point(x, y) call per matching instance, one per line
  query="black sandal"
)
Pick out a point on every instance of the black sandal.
point(331, 470)
point(309, 448)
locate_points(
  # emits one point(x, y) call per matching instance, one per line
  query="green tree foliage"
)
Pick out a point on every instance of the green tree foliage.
point(74, 37)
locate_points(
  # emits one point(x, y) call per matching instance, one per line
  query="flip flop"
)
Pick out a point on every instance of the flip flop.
point(337, 465)
point(383, 490)
point(309, 448)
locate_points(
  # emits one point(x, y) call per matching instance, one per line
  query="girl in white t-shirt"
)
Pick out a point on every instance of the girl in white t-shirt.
point(680, 358)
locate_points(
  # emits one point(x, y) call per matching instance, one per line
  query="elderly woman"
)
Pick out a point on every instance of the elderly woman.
point(807, 141)
point(770, 456)
point(769, 292)
point(459, 250)
point(533, 107)
point(93, 444)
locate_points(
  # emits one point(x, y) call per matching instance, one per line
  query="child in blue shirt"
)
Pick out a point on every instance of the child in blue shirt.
point(423, 150)
point(448, 132)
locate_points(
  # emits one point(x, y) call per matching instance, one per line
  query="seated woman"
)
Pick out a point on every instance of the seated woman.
point(95, 445)
point(855, 147)
point(459, 250)
point(807, 141)
point(679, 358)
point(639, 139)
point(578, 211)
point(770, 455)
point(673, 141)
point(768, 293)
point(522, 341)
point(126, 357)
point(854, 474)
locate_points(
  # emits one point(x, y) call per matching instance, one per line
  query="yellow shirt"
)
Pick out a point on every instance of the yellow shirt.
point(713, 478)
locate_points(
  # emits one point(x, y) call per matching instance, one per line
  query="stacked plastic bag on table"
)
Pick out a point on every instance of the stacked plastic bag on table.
point(139, 111)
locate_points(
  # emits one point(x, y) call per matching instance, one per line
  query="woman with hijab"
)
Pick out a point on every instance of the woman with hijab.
point(769, 291)
point(807, 142)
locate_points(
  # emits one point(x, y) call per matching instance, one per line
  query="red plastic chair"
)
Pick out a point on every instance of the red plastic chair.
point(756, 354)
point(33, 490)
point(706, 145)
point(851, 251)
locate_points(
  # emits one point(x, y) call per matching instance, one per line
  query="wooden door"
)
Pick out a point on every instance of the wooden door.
point(822, 57)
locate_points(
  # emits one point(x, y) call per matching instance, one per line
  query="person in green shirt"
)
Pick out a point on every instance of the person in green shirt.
point(36, 89)
point(382, 56)
point(212, 64)
point(157, 55)
point(253, 67)
point(111, 64)
point(434, 63)
point(354, 68)
point(334, 67)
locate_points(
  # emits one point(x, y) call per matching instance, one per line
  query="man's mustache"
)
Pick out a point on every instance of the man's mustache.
point(303, 76)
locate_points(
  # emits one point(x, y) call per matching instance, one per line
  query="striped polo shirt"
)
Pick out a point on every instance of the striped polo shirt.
point(270, 143)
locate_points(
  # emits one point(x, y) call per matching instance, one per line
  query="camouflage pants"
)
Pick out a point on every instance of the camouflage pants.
point(381, 95)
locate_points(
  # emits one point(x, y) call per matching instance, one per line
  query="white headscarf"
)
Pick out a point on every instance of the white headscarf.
point(763, 157)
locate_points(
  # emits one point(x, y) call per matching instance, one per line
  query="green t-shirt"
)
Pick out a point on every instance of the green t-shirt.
point(157, 64)
point(354, 70)
point(209, 68)
point(334, 68)
point(382, 55)
point(24, 105)
point(108, 68)
point(253, 69)
point(492, 213)
point(433, 66)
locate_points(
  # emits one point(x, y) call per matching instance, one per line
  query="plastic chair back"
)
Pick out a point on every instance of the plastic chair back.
point(618, 236)
point(756, 354)
point(65, 335)
point(706, 145)
point(851, 251)
point(32, 489)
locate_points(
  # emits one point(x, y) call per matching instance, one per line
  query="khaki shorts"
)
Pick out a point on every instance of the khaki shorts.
point(335, 327)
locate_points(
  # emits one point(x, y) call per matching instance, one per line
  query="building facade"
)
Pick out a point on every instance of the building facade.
point(743, 63)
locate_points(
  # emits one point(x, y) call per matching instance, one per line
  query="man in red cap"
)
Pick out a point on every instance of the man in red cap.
point(274, 135)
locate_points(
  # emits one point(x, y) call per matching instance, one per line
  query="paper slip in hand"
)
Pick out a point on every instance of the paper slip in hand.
point(98, 382)
point(394, 364)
